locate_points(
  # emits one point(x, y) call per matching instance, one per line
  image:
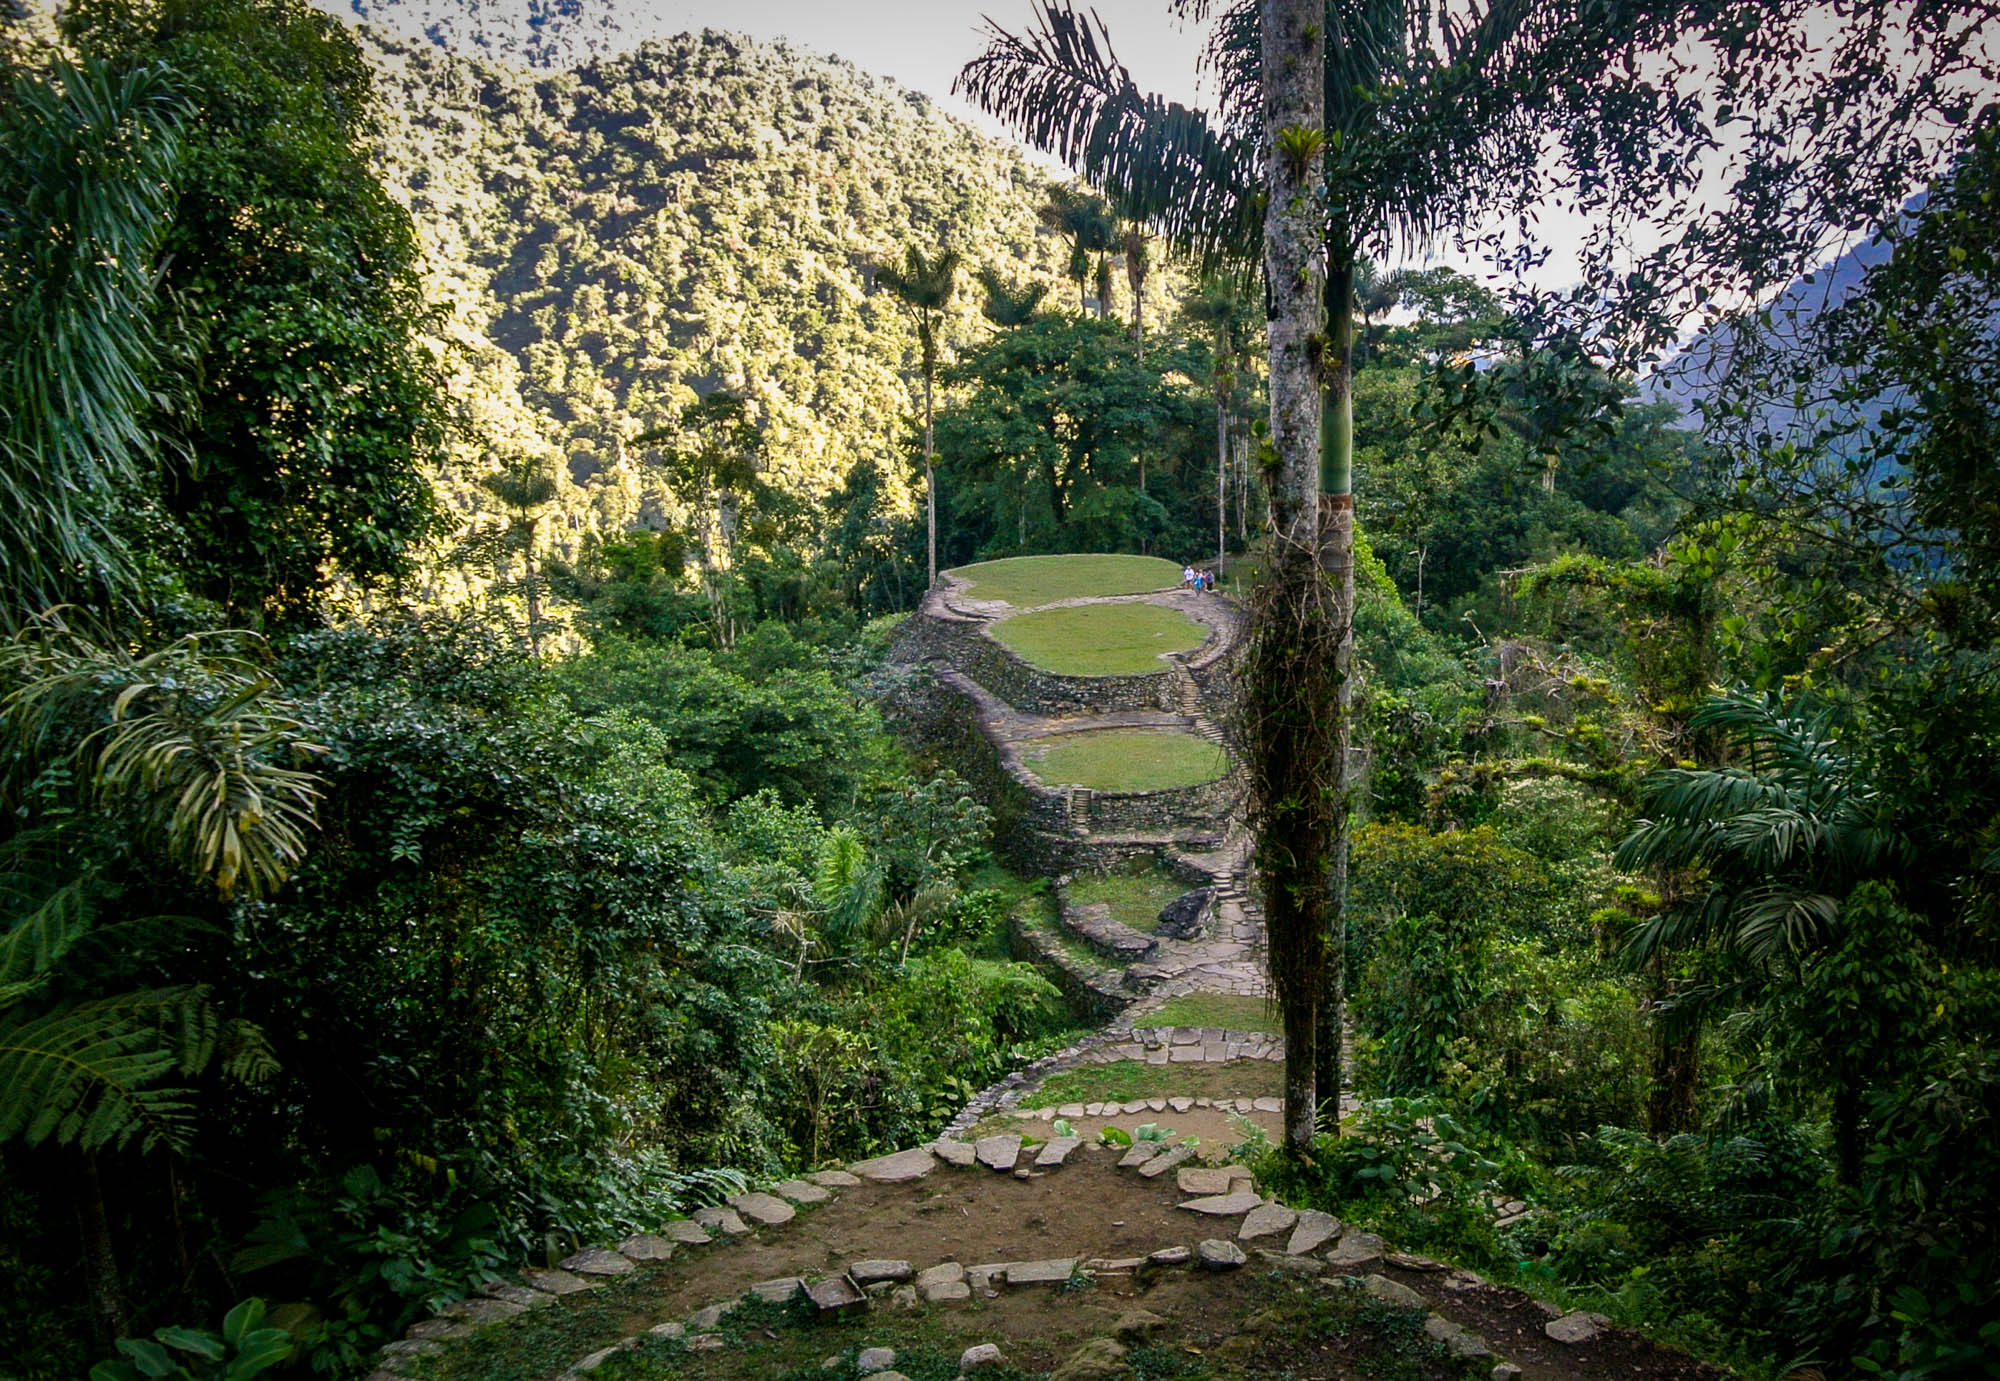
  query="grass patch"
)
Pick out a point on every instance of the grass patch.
point(1125, 759)
point(1224, 1010)
point(1028, 581)
point(1134, 898)
point(1125, 1080)
point(1100, 639)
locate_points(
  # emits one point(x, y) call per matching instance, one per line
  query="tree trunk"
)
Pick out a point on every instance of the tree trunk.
point(1221, 480)
point(1671, 1105)
point(1288, 658)
point(1336, 563)
point(930, 468)
point(534, 599)
point(100, 1262)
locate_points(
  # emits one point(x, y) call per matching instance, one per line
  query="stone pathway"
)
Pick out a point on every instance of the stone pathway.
point(1229, 1224)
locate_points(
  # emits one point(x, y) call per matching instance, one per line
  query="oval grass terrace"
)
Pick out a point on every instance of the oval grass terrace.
point(1125, 760)
point(1118, 639)
point(1028, 582)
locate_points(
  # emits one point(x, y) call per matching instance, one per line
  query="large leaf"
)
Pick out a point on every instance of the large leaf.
point(90, 1075)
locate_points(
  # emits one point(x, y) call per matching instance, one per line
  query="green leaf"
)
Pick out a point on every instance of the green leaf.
point(241, 1320)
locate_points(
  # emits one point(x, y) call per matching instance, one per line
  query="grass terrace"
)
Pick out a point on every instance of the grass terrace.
point(1125, 760)
point(1028, 581)
point(1134, 898)
point(1100, 639)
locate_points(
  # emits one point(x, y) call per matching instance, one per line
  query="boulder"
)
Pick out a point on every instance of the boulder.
point(1392, 1292)
point(981, 1355)
point(1217, 1254)
point(1100, 1359)
point(1266, 1220)
point(1187, 917)
point(1357, 1253)
point(875, 1272)
point(1136, 1325)
point(1465, 1346)
point(874, 1359)
point(767, 1209)
point(1575, 1328)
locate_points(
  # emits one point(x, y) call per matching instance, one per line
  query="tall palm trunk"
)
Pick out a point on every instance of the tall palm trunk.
point(930, 452)
point(1289, 657)
point(1336, 562)
point(1221, 474)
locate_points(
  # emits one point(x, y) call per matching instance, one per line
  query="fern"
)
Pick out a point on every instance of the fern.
point(88, 1075)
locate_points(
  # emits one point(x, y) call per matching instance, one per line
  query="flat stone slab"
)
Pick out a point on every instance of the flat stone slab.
point(1181, 1104)
point(1166, 1160)
point(874, 1359)
point(681, 1230)
point(1215, 1254)
point(1071, 1111)
point(1223, 1181)
point(1057, 1151)
point(1050, 1272)
point(959, 1153)
point(510, 1293)
point(1225, 1205)
point(779, 1290)
point(491, 1310)
point(801, 1192)
point(701, 1320)
point(767, 1209)
point(595, 1261)
point(554, 1282)
point(1170, 1256)
point(1356, 1249)
point(1140, 1153)
point(1268, 1105)
point(1574, 1328)
point(946, 1291)
point(1267, 1220)
point(997, 1152)
point(646, 1247)
point(1392, 1292)
point(1465, 1346)
point(899, 1168)
point(723, 1220)
point(836, 1294)
point(950, 1273)
point(1314, 1230)
point(833, 1179)
point(877, 1272)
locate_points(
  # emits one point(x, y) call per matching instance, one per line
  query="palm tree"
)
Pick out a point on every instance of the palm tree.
point(712, 465)
point(1007, 306)
point(527, 485)
point(1217, 310)
point(1083, 219)
point(925, 285)
point(1431, 113)
point(87, 183)
point(1776, 846)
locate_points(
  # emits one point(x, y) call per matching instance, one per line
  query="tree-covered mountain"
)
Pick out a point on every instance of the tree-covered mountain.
point(703, 212)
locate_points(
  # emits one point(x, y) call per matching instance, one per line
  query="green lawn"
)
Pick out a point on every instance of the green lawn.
point(1134, 898)
point(1125, 759)
point(1100, 639)
point(1026, 581)
point(1125, 1080)
point(1224, 1010)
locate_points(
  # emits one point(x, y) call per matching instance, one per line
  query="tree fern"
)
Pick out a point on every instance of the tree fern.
point(89, 1075)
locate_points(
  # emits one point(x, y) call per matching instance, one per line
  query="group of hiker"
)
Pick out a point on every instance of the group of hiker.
point(1193, 579)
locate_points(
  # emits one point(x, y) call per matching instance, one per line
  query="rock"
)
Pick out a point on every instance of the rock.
point(1466, 1347)
point(950, 1273)
point(957, 1153)
point(483, 1311)
point(1187, 916)
point(595, 1261)
point(1314, 1230)
point(1574, 1328)
point(1166, 1160)
point(1100, 1359)
point(767, 1209)
point(1224, 1205)
point(874, 1272)
point(836, 1295)
point(443, 1328)
point(946, 1292)
point(1357, 1253)
point(1072, 1111)
point(779, 1290)
point(1461, 1279)
point(554, 1282)
point(1136, 1325)
point(1050, 1272)
point(874, 1359)
point(1266, 1220)
point(599, 1358)
point(1265, 1104)
point(1171, 1256)
point(1093, 1110)
point(1407, 1262)
point(903, 1297)
point(1140, 1153)
point(706, 1342)
point(1392, 1292)
point(646, 1247)
point(672, 1329)
point(508, 1292)
point(717, 1218)
point(1156, 1104)
point(1180, 1104)
point(997, 1152)
point(681, 1230)
point(1199, 1181)
point(885, 1376)
point(981, 1355)
point(801, 1192)
point(701, 1320)
point(833, 1179)
point(1216, 1254)
point(1058, 1150)
point(1113, 1265)
point(1506, 1371)
point(899, 1168)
